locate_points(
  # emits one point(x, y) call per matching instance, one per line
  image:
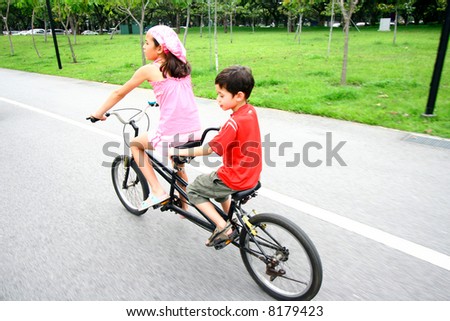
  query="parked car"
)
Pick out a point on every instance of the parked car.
point(89, 32)
point(57, 31)
point(35, 32)
point(11, 32)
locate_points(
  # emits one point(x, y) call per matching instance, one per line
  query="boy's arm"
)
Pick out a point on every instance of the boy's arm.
point(195, 151)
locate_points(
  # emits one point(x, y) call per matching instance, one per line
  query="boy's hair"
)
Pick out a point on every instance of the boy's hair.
point(235, 79)
point(173, 66)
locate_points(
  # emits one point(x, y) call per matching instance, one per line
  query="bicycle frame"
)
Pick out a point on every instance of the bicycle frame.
point(177, 184)
point(170, 176)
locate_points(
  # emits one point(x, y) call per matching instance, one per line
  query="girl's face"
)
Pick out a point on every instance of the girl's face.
point(227, 101)
point(151, 51)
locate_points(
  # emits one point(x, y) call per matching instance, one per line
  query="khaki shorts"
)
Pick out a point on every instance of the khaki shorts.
point(207, 186)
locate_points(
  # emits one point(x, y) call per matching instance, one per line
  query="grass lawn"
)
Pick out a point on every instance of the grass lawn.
point(387, 84)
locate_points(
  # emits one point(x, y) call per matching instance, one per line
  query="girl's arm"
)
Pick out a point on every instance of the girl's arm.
point(147, 72)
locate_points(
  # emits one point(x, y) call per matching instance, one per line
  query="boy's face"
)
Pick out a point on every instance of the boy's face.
point(227, 101)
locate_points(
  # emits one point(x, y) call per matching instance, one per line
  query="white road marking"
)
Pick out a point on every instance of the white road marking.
point(392, 241)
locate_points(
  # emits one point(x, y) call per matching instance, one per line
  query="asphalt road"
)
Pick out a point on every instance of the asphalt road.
point(374, 201)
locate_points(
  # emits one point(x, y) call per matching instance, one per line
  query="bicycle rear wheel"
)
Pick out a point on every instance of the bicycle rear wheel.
point(129, 183)
point(281, 258)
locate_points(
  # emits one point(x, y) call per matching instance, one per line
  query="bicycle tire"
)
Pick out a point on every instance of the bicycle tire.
point(302, 265)
point(136, 189)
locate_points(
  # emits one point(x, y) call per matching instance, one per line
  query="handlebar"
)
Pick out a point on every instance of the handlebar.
point(123, 121)
point(138, 116)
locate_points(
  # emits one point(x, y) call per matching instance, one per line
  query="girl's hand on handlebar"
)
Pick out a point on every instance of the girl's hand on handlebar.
point(94, 118)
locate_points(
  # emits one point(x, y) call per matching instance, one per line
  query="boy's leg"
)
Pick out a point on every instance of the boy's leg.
point(209, 186)
point(182, 174)
point(210, 211)
point(226, 205)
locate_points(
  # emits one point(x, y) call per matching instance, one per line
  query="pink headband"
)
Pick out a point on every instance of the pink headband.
point(169, 41)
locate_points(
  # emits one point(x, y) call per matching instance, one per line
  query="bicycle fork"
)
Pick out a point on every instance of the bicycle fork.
point(126, 166)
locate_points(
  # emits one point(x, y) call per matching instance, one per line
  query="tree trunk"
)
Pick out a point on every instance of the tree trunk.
point(345, 58)
point(347, 14)
point(231, 27)
point(72, 51)
point(187, 24)
point(178, 22)
point(11, 47)
point(5, 18)
point(331, 28)
point(215, 37)
point(299, 28)
point(210, 38)
point(32, 34)
point(395, 26)
point(201, 25)
point(289, 22)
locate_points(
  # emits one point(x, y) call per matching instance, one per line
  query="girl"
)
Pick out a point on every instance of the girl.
point(179, 122)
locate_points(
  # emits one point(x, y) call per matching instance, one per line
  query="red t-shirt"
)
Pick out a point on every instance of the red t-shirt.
point(239, 144)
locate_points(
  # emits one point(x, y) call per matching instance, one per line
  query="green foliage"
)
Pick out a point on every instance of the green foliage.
point(388, 84)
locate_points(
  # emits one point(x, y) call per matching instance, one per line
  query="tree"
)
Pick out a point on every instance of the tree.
point(230, 8)
point(398, 5)
point(34, 5)
point(132, 8)
point(347, 9)
point(216, 51)
point(68, 12)
point(297, 7)
point(5, 19)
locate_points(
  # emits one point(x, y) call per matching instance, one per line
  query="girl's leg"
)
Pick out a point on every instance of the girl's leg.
point(138, 145)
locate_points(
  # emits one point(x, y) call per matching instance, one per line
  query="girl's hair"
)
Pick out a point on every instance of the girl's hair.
point(235, 79)
point(172, 66)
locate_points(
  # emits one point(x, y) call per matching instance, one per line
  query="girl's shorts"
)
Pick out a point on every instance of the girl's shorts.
point(161, 143)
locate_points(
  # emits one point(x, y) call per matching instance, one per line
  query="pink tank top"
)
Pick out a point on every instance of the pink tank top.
point(178, 109)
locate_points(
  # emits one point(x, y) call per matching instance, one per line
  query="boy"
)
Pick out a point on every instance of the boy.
point(239, 144)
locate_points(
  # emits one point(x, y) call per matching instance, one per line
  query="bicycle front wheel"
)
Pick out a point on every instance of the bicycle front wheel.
point(281, 258)
point(129, 183)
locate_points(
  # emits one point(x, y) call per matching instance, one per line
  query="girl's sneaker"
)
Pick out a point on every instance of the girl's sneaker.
point(153, 200)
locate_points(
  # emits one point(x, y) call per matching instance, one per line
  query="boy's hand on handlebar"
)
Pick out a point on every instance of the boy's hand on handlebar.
point(172, 152)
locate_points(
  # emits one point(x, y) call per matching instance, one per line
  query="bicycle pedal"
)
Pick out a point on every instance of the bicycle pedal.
point(156, 206)
point(221, 245)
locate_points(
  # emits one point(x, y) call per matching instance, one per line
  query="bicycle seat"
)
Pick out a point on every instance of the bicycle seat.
point(245, 193)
